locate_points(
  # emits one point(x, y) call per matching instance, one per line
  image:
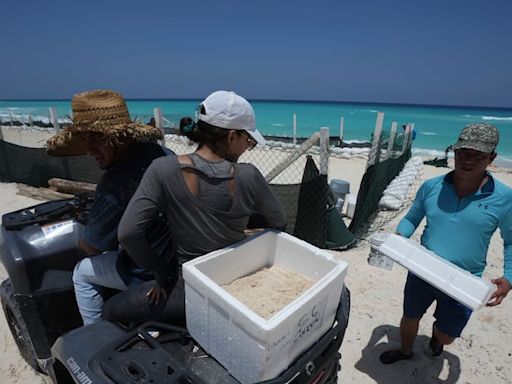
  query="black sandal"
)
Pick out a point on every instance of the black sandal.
point(434, 347)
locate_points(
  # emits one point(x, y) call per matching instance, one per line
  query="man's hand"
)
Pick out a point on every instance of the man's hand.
point(503, 288)
point(156, 294)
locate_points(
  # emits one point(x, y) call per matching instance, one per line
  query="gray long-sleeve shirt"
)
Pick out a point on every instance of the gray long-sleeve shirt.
point(197, 227)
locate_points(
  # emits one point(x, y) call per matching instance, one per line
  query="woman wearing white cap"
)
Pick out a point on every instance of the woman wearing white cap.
point(207, 198)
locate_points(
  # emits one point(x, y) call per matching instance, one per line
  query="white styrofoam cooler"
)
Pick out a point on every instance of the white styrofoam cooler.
point(251, 348)
point(351, 204)
point(468, 289)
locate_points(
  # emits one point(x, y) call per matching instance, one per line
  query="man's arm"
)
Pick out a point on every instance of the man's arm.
point(267, 204)
point(412, 219)
point(138, 216)
point(503, 288)
point(100, 234)
point(504, 284)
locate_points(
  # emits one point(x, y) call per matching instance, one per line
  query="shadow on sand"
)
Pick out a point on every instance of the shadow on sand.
point(419, 369)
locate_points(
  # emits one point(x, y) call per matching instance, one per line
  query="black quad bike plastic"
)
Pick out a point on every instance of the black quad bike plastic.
point(106, 353)
point(17, 325)
point(39, 247)
point(40, 308)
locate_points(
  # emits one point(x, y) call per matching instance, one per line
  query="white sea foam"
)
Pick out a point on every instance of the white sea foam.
point(277, 125)
point(5, 118)
point(427, 133)
point(350, 151)
point(471, 116)
point(497, 118)
point(504, 162)
point(500, 161)
point(427, 153)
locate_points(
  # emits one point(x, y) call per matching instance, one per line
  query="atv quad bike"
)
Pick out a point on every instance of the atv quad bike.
point(39, 249)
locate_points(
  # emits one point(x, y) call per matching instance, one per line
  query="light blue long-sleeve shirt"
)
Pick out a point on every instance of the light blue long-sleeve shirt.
point(460, 230)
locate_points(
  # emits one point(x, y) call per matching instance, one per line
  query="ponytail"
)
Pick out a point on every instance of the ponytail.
point(205, 134)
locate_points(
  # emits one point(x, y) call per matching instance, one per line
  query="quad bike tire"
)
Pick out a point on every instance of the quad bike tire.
point(17, 325)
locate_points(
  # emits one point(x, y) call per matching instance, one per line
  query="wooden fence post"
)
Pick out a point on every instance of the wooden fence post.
point(392, 136)
point(53, 119)
point(324, 150)
point(342, 123)
point(294, 129)
point(374, 154)
point(407, 135)
point(157, 112)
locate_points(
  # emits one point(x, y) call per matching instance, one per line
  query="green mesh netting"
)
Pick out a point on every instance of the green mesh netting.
point(374, 182)
point(318, 221)
point(34, 167)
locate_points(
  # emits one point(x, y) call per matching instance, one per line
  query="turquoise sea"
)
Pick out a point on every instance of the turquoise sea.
point(436, 126)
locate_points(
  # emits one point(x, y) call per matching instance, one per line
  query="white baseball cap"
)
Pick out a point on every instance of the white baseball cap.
point(226, 109)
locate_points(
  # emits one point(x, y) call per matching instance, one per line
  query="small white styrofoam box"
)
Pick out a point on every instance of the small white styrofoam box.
point(466, 288)
point(351, 204)
point(251, 348)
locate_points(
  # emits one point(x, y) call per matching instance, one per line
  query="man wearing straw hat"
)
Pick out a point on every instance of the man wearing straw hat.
point(103, 129)
point(463, 209)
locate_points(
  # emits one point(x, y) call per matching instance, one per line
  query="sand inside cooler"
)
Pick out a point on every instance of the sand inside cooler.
point(269, 289)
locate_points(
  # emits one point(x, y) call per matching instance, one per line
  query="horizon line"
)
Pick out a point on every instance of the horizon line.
point(291, 100)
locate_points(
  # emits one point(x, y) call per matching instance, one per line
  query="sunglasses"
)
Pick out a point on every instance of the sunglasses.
point(472, 155)
point(251, 143)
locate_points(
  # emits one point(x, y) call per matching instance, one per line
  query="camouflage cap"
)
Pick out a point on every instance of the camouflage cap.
point(478, 136)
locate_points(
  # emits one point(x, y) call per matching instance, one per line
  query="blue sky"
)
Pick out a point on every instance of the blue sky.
point(449, 52)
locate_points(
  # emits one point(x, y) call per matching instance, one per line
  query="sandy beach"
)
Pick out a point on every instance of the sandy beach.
point(482, 355)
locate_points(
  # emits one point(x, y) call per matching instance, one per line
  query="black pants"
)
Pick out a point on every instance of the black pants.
point(132, 306)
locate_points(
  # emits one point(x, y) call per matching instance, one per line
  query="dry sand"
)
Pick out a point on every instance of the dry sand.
point(482, 355)
point(269, 290)
point(13, 369)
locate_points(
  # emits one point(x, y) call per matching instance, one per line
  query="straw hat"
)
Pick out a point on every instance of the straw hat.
point(99, 112)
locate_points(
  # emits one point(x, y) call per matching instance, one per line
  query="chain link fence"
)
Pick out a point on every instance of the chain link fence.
point(296, 173)
point(388, 186)
point(267, 158)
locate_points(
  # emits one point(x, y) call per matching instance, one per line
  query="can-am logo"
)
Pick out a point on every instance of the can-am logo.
point(78, 372)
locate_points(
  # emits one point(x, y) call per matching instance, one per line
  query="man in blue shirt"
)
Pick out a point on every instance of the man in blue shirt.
point(103, 129)
point(463, 209)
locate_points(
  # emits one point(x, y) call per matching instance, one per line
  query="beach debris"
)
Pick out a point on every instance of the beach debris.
point(70, 186)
